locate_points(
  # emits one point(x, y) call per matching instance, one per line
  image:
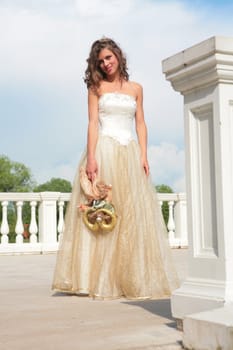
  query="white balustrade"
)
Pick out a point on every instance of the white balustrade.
point(33, 228)
point(46, 233)
point(60, 226)
point(19, 229)
point(177, 221)
point(180, 218)
point(48, 220)
point(4, 225)
point(171, 222)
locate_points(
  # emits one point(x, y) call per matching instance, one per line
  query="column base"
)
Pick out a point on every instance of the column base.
point(197, 295)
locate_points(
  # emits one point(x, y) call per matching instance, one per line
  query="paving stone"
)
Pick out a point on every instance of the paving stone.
point(33, 317)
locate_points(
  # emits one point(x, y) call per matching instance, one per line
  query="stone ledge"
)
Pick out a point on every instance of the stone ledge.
point(201, 66)
point(198, 52)
point(209, 330)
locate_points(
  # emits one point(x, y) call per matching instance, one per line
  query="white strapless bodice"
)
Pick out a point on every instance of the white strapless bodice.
point(116, 116)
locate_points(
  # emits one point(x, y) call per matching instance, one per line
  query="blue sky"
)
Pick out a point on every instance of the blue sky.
point(203, 5)
point(44, 45)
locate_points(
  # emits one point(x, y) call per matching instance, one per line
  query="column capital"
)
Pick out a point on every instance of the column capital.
point(205, 64)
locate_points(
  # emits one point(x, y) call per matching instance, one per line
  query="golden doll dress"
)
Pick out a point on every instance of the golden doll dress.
point(134, 259)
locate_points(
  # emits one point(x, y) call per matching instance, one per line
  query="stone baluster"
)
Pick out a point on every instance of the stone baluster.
point(161, 204)
point(60, 227)
point(171, 223)
point(33, 228)
point(48, 221)
point(4, 226)
point(19, 229)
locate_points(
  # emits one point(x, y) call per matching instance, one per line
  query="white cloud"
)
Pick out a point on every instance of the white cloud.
point(167, 165)
point(180, 185)
point(37, 48)
point(39, 45)
point(64, 171)
point(45, 43)
point(101, 8)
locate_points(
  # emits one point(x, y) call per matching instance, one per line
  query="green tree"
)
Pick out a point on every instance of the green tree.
point(164, 189)
point(54, 185)
point(165, 209)
point(14, 176)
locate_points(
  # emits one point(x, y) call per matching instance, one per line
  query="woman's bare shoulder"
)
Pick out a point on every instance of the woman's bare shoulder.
point(137, 88)
point(100, 89)
point(93, 92)
point(135, 84)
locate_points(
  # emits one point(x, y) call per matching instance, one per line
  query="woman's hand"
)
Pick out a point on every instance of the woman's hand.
point(145, 166)
point(91, 169)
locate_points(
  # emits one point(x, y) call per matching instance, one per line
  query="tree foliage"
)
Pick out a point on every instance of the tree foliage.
point(14, 176)
point(164, 189)
point(17, 177)
point(55, 185)
point(165, 209)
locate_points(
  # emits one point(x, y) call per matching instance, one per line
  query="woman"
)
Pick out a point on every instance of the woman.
point(133, 258)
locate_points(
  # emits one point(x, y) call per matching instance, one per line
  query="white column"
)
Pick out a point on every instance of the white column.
point(19, 223)
point(33, 229)
point(4, 225)
point(48, 221)
point(204, 75)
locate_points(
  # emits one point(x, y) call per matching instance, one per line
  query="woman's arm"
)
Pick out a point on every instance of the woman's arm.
point(92, 135)
point(141, 128)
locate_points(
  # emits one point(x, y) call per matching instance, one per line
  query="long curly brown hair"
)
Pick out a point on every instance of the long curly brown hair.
point(93, 74)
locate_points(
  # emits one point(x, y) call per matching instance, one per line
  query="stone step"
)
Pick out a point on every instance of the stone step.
point(209, 330)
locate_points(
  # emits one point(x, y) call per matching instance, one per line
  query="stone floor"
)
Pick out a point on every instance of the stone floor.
point(32, 317)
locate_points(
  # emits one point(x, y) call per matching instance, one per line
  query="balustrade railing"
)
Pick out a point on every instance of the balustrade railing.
point(47, 221)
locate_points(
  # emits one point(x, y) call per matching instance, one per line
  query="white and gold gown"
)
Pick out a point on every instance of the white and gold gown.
point(133, 260)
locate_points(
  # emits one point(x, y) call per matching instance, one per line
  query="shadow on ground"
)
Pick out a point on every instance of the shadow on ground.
point(67, 294)
point(160, 308)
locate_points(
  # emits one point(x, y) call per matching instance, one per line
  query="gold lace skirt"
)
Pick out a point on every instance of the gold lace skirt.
point(133, 260)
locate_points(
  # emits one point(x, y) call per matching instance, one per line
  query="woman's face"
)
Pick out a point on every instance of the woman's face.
point(108, 62)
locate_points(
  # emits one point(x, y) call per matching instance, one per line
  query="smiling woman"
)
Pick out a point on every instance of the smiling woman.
point(116, 244)
point(108, 62)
